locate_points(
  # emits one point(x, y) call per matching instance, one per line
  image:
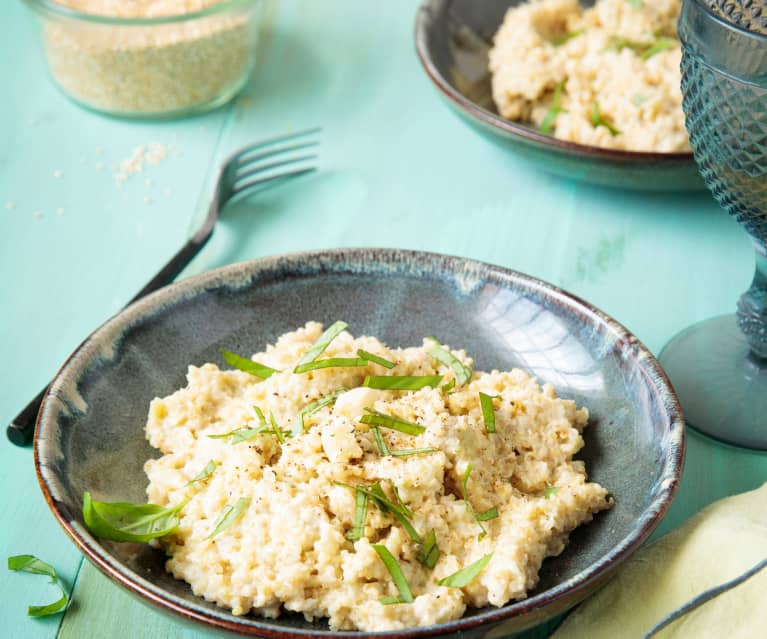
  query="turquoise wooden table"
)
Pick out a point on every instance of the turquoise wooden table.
point(397, 169)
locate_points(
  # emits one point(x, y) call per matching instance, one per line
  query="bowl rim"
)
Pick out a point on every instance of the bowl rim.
point(49, 8)
point(343, 260)
point(518, 130)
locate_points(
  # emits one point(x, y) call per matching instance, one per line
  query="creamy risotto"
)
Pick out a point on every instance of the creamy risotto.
point(605, 76)
point(322, 493)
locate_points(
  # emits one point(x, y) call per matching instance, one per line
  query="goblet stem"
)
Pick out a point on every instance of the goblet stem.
point(752, 306)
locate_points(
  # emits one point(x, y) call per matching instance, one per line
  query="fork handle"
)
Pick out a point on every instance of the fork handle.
point(21, 430)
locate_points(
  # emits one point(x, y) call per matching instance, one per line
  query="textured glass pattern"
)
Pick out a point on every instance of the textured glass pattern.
point(726, 117)
point(748, 14)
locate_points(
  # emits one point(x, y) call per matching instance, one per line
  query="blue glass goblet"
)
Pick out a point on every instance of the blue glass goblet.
point(719, 367)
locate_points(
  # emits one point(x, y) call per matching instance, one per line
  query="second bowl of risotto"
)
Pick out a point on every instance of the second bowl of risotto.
point(587, 90)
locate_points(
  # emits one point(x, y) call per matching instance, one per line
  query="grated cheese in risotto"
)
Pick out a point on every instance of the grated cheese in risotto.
point(289, 514)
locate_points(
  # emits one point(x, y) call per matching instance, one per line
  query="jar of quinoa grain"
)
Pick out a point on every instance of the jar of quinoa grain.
point(148, 58)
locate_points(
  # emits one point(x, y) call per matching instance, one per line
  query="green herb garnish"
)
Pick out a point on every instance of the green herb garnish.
point(490, 513)
point(660, 44)
point(401, 382)
point(637, 4)
point(399, 511)
point(466, 575)
point(259, 415)
point(406, 452)
point(321, 344)
point(241, 434)
point(639, 99)
point(394, 423)
point(204, 473)
point(553, 490)
point(428, 554)
point(313, 407)
point(229, 516)
point(616, 43)
point(35, 566)
point(331, 362)
point(488, 414)
point(124, 521)
point(597, 120)
point(375, 359)
point(248, 365)
point(642, 49)
point(380, 442)
point(462, 372)
point(448, 387)
point(277, 430)
point(405, 596)
point(547, 124)
point(566, 37)
point(360, 515)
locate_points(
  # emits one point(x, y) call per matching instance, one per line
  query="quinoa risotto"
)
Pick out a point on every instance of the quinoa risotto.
point(379, 488)
point(606, 76)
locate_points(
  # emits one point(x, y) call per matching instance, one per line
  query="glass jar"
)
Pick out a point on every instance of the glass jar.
point(149, 67)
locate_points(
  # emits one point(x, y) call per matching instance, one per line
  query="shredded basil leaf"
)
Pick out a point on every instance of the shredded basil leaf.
point(637, 4)
point(380, 442)
point(35, 566)
point(229, 516)
point(448, 387)
point(323, 341)
point(547, 124)
point(401, 382)
point(313, 407)
point(259, 415)
point(428, 554)
point(375, 359)
point(598, 120)
point(407, 452)
point(566, 37)
point(248, 365)
point(394, 423)
point(206, 472)
point(399, 511)
point(549, 492)
point(331, 362)
point(488, 414)
point(277, 430)
point(492, 513)
point(462, 372)
point(124, 521)
point(405, 596)
point(241, 434)
point(360, 515)
point(466, 575)
point(660, 44)
point(639, 99)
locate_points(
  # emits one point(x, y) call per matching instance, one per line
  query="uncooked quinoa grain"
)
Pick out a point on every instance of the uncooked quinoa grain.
point(149, 69)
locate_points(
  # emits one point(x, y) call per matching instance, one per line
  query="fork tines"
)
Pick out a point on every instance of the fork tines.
point(268, 161)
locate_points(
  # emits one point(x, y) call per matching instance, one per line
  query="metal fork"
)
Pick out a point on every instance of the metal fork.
point(252, 168)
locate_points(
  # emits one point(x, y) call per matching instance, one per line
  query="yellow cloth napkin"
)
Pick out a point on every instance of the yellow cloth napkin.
point(718, 544)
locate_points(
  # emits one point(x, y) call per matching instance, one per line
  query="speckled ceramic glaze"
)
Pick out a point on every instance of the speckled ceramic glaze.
point(90, 431)
point(453, 38)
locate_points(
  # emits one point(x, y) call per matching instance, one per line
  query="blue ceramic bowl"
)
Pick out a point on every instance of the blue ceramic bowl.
point(452, 39)
point(90, 430)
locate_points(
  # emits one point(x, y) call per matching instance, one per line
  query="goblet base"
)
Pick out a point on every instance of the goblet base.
point(721, 385)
